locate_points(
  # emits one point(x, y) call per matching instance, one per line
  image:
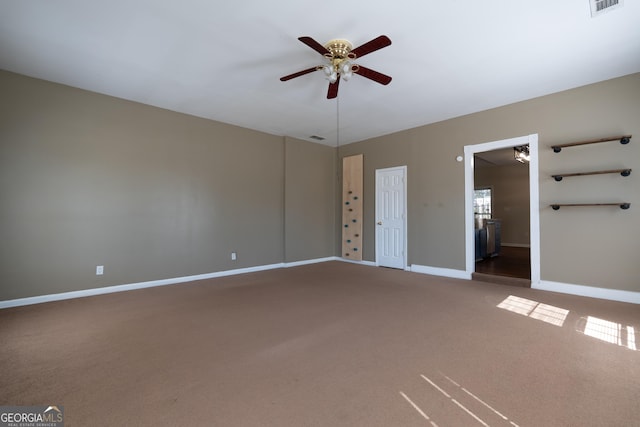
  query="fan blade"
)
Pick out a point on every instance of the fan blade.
point(314, 45)
point(333, 89)
point(298, 74)
point(371, 46)
point(377, 77)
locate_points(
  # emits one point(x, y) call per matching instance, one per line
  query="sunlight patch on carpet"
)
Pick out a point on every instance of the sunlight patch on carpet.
point(535, 310)
point(418, 409)
point(464, 402)
point(607, 331)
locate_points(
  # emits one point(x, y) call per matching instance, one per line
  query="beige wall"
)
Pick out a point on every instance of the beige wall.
point(309, 200)
point(87, 180)
point(595, 246)
point(510, 198)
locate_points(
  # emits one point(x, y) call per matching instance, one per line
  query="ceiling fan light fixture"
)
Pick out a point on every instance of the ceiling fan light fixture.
point(346, 69)
point(340, 57)
point(330, 73)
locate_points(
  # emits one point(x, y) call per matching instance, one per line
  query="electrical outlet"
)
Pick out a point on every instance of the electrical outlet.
point(234, 256)
point(99, 270)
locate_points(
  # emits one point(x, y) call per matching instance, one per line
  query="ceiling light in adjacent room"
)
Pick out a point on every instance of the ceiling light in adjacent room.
point(521, 153)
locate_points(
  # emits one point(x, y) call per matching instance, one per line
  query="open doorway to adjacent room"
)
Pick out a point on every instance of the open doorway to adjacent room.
point(501, 214)
point(501, 211)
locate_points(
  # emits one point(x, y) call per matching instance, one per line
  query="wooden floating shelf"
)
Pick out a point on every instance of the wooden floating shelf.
point(624, 139)
point(623, 172)
point(624, 205)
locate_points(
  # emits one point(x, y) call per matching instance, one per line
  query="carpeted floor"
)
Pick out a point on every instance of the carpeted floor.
point(330, 344)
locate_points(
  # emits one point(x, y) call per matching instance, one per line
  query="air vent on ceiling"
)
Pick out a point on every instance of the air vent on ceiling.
point(599, 7)
point(316, 137)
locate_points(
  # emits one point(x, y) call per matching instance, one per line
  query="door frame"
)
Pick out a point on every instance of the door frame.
point(534, 199)
point(405, 253)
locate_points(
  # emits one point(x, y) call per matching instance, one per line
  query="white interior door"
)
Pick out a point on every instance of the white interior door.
point(391, 206)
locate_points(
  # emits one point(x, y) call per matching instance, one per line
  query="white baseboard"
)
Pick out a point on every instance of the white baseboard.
point(131, 286)
point(588, 291)
point(566, 288)
point(367, 263)
point(331, 258)
point(153, 283)
point(438, 271)
point(310, 261)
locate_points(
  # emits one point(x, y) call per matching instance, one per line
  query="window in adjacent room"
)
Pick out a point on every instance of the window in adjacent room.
point(482, 203)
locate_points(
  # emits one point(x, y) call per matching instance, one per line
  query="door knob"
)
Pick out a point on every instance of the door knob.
point(379, 222)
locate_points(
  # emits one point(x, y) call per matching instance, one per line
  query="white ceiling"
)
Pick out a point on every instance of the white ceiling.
point(223, 59)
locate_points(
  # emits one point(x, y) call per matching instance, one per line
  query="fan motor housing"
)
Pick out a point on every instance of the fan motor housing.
point(339, 49)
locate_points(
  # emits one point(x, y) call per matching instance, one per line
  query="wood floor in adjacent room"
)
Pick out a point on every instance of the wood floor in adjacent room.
point(328, 344)
point(510, 262)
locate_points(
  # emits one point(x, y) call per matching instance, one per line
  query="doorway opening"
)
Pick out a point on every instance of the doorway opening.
point(501, 212)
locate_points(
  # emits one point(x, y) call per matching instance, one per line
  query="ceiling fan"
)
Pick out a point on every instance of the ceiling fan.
point(340, 57)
